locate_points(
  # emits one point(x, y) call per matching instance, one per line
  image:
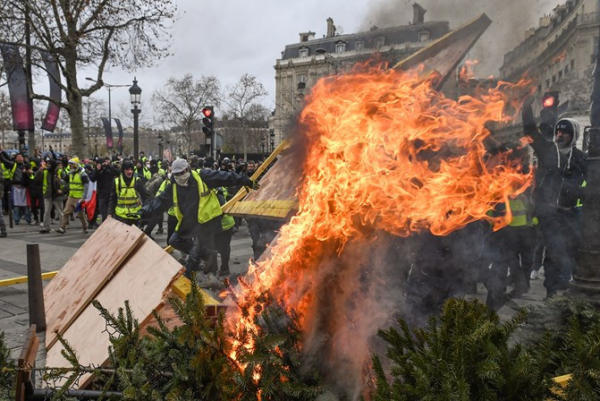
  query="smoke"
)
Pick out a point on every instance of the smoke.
point(510, 20)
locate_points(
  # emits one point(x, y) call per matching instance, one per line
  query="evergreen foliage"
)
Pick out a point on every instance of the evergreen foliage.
point(462, 355)
point(192, 361)
point(7, 373)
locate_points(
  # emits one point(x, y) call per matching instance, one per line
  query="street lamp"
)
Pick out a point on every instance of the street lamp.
point(136, 95)
point(272, 135)
point(109, 88)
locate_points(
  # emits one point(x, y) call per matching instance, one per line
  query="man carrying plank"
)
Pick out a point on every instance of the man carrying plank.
point(197, 210)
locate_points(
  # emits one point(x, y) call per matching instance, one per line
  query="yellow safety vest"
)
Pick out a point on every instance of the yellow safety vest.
point(7, 173)
point(163, 186)
point(227, 221)
point(75, 185)
point(521, 209)
point(44, 182)
point(579, 202)
point(128, 201)
point(208, 206)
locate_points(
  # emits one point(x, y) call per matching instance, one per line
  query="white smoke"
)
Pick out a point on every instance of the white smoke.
point(510, 20)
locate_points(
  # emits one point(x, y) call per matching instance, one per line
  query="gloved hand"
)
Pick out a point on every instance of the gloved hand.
point(254, 185)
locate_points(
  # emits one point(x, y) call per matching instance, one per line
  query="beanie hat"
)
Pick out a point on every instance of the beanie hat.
point(566, 126)
point(178, 166)
point(127, 164)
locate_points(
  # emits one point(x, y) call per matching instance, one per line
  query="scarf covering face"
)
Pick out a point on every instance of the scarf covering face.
point(182, 179)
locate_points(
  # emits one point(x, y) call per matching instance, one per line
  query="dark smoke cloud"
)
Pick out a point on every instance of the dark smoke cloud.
point(510, 20)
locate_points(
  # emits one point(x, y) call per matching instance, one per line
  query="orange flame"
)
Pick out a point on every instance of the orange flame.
point(386, 152)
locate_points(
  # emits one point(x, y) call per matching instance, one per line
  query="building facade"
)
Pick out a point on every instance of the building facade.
point(559, 54)
point(302, 64)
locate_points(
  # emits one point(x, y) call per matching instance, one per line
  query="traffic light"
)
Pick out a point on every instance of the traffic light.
point(549, 113)
point(208, 120)
point(550, 100)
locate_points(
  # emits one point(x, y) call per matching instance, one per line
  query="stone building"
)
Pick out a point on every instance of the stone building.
point(559, 54)
point(303, 63)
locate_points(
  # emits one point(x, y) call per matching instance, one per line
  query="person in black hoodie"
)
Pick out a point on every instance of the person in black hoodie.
point(104, 175)
point(559, 178)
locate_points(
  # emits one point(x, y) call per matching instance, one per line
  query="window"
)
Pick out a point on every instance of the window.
point(359, 46)
point(379, 41)
point(553, 78)
point(560, 75)
point(547, 83)
point(302, 78)
point(572, 64)
point(304, 52)
point(340, 47)
point(424, 35)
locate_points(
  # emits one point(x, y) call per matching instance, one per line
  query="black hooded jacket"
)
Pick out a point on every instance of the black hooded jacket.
point(559, 175)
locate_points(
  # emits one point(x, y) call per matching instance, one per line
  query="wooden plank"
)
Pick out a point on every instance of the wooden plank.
point(84, 275)
point(145, 279)
point(445, 54)
point(277, 197)
point(26, 362)
point(285, 144)
point(183, 286)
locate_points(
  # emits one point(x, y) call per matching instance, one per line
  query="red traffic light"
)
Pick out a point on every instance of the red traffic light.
point(207, 111)
point(549, 102)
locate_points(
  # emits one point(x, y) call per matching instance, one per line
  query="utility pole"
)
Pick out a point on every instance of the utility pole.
point(31, 132)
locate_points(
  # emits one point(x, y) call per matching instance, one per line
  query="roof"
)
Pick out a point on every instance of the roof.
point(393, 35)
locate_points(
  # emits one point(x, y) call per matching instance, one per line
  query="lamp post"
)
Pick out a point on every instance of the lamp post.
point(136, 96)
point(160, 146)
point(272, 135)
point(263, 140)
point(96, 146)
point(109, 87)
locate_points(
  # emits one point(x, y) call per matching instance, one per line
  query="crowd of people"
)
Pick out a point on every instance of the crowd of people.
point(56, 189)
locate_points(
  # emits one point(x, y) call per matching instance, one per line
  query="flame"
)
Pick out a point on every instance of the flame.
point(386, 152)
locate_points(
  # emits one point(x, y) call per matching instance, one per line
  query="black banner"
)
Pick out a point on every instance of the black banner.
point(120, 141)
point(108, 132)
point(21, 103)
point(55, 92)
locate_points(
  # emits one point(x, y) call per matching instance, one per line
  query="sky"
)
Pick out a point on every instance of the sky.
point(228, 38)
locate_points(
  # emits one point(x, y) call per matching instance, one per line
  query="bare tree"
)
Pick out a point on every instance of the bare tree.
point(181, 102)
point(5, 115)
point(240, 99)
point(84, 33)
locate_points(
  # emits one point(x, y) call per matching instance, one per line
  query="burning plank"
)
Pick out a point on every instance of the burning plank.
point(277, 197)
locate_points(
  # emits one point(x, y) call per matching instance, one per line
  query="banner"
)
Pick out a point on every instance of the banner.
point(55, 92)
point(120, 141)
point(108, 132)
point(21, 103)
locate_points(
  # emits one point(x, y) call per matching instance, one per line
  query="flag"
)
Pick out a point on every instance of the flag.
point(90, 201)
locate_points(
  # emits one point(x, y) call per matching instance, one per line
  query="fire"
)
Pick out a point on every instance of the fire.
point(386, 152)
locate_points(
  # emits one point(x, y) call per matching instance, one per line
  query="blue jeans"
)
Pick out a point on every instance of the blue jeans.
point(19, 211)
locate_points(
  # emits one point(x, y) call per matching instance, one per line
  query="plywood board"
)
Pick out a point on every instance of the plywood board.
point(84, 275)
point(277, 197)
point(144, 279)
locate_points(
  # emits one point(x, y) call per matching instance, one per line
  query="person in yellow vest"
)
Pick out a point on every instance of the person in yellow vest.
point(78, 182)
point(513, 251)
point(51, 192)
point(127, 195)
point(223, 237)
point(197, 209)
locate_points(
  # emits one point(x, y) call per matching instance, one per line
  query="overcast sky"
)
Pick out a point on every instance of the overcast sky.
point(228, 38)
